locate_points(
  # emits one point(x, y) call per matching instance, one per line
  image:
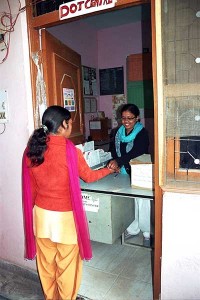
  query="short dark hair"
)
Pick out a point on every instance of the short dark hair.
point(131, 108)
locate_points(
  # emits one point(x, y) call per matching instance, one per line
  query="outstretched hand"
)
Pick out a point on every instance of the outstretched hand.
point(113, 166)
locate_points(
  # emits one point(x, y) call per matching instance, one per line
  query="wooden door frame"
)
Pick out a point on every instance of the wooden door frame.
point(52, 19)
point(158, 191)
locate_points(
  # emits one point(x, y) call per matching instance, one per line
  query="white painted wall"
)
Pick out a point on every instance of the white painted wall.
point(15, 78)
point(181, 247)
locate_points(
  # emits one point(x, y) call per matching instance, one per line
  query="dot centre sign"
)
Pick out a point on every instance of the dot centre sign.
point(82, 7)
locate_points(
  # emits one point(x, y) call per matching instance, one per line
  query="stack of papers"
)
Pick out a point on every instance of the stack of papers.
point(89, 146)
point(94, 157)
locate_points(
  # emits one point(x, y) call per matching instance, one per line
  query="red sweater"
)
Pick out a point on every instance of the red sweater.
point(50, 180)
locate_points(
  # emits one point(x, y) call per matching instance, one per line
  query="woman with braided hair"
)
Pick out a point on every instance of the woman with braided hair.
point(55, 224)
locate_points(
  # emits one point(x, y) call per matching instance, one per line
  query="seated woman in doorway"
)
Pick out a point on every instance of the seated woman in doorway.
point(129, 141)
point(56, 229)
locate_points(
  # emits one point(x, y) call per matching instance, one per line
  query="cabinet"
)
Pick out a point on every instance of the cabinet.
point(140, 89)
point(110, 208)
point(139, 80)
point(140, 93)
point(110, 220)
point(139, 67)
point(99, 129)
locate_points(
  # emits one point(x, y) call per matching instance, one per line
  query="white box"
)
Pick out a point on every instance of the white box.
point(142, 172)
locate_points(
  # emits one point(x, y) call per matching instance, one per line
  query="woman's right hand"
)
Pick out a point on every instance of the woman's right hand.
point(111, 170)
point(113, 165)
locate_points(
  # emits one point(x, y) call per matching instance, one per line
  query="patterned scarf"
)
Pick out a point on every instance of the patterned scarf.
point(121, 137)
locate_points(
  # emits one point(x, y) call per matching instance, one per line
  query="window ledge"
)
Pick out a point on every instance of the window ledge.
point(176, 187)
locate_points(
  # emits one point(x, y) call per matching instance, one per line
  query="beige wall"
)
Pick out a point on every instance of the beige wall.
point(177, 73)
point(181, 247)
point(15, 78)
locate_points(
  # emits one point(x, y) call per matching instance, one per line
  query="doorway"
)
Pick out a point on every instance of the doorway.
point(106, 41)
point(128, 32)
point(88, 40)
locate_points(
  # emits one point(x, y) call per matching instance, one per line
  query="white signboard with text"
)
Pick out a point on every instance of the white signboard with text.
point(89, 203)
point(82, 7)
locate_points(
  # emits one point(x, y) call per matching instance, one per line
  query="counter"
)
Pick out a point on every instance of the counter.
point(110, 206)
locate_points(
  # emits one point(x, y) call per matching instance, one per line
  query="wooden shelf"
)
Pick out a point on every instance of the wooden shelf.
point(99, 129)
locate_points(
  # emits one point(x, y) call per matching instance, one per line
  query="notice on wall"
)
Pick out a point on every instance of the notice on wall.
point(68, 98)
point(117, 102)
point(3, 106)
point(93, 105)
point(90, 203)
point(89, 81)
point(90, 105)
point(111, 81)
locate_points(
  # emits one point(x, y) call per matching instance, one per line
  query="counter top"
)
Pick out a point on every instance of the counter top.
point(119, 185)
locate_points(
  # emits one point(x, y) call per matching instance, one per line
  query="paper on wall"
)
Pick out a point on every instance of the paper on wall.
point(89, 203)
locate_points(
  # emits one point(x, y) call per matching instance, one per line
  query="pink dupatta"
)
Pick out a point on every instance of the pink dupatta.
point(77, 206)
point(30, 248)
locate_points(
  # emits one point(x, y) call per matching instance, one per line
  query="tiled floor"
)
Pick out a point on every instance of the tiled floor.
point(116, 272)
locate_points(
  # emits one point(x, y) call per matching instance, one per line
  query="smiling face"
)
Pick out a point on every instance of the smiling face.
point(128, 120)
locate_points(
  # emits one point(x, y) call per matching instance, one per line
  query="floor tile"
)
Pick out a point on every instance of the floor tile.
point(110, 258)
point(139, 266)
point(131, 267)
point(95, 283)
point(126, 289)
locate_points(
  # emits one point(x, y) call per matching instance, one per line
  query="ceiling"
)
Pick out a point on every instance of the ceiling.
point(119, 17)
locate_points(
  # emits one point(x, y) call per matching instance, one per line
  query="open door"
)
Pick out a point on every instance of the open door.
point(52, 19)
point(62, 70)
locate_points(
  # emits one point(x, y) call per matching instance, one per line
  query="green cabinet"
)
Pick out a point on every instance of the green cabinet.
point(140, 93)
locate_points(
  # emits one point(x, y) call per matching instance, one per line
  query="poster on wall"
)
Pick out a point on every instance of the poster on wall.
point(68, 98)
point(117, 102)
point(93, 105)
point(89, 81)
point(90, 105)
point(111, 81)
point(87, 105)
